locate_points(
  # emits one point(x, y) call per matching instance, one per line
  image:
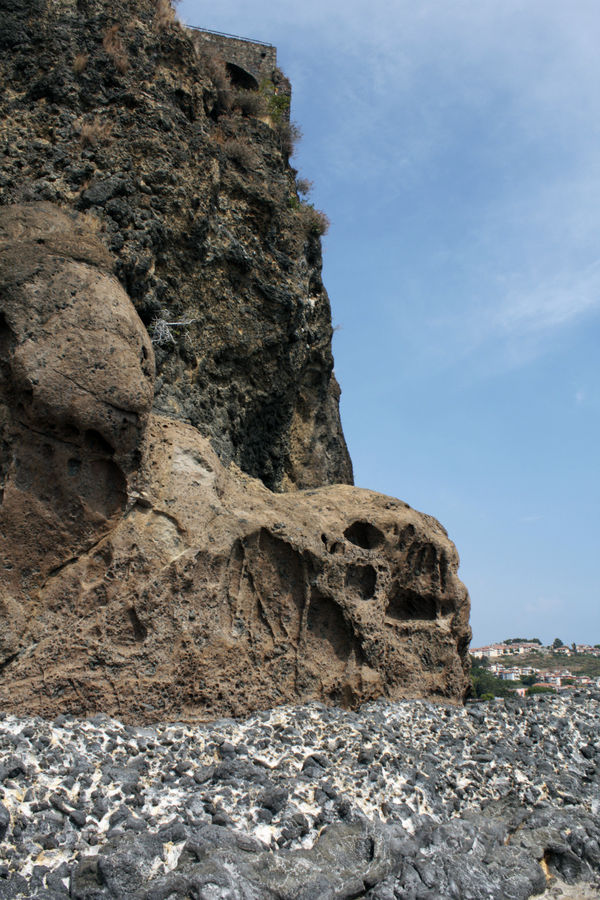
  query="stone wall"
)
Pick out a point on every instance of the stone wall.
point(254, 57)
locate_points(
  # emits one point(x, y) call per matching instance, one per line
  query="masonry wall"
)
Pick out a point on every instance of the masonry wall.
point(258, 59)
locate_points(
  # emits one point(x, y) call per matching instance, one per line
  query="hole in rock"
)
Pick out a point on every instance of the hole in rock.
point(104, 487)
point(405, 604)
point(406, 536)
point(95, 441)
point(140, 632)
point(447, 607)
point(563, 863)
point(364, 535)
point(327, 624)
point(6, 338)
point(74, 466)
point(361, 581)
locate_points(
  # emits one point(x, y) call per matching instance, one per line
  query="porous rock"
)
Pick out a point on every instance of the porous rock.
point(107, 107)
point(76, 378)
point(145, 579)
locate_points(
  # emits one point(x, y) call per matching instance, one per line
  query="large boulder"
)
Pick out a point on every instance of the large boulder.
point(141, 577)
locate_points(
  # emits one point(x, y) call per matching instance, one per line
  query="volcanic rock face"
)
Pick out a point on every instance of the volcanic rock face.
point(143, 578)
point(106, 107)
point(146, 571)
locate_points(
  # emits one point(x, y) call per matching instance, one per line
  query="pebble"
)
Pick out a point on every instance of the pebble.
point(406, 800)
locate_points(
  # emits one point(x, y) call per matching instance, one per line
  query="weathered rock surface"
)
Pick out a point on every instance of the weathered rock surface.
point(76, 377)
point(397, 801)
point(106, 107)
point(143, 578)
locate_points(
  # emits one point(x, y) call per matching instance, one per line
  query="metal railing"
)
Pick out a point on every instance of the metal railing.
point(225, 34)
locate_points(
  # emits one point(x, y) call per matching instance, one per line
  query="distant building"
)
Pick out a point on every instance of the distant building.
point(492, 651)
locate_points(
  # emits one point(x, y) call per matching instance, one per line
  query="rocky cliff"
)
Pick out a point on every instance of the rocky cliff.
point(108, 108)
point(178, 535)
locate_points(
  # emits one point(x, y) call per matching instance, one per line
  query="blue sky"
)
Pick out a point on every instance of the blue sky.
point(454, 147)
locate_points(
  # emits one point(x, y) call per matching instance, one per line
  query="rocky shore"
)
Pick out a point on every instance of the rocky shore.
point(396, 800)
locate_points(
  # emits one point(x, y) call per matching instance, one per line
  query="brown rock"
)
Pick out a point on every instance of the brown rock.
point(76, 377)
point(144, 579)
point(213, 596)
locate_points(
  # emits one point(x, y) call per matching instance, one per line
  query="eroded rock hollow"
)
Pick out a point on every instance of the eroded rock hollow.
point(173, 542)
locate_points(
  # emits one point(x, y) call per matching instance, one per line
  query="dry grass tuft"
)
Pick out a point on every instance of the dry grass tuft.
point(80, 62)
point(115, 48)
point(215, 67)
point(164, 15)
point(288, 133)
point(95, 132)
point(249, 103)
point(316, 223)
point(91, 222)
point(241, 153)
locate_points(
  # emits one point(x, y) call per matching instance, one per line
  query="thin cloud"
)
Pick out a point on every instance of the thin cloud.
point(551, 305)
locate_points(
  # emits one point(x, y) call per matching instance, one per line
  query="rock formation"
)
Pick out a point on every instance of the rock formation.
point(106, 107)
point(144, 578)
point(172, 542)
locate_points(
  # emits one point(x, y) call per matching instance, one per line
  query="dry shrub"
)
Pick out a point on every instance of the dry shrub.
point(218, 137)
point(92, 222)
point(288, 133)
point(241, 153)
point(215, 67)
point(164, 15)
point(80, 62)
point(95, 132)
point(316, 223)
point(115, 48)
point(249, 103)
point(304, 186)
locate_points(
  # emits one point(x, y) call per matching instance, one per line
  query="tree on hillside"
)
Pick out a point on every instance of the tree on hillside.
point(556, 643)
point(481, 662)
point(510, 641)
point(485, 685)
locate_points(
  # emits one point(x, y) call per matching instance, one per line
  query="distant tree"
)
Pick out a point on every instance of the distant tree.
point(540, 689)
point(510, 641)
point(528, 680)
point(481, 661)
point(556, 643)
point(484, 683)
point(574, 647)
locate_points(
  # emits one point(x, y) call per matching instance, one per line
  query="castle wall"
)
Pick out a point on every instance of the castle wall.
point(256, 58)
